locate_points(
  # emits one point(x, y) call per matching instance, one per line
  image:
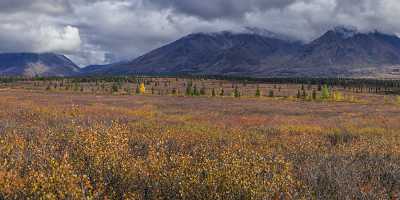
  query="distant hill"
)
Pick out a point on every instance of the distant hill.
point(33, 64)
point(256, 52)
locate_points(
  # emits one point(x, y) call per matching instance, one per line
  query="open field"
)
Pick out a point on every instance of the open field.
point(71, 144)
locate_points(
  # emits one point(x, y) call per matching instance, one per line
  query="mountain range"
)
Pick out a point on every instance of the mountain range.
point(343, 52)
point(33, 64)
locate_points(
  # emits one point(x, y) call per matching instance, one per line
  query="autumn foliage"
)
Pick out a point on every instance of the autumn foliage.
point(78, 146)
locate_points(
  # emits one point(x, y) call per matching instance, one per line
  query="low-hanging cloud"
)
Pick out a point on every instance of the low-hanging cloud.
point(100, 31)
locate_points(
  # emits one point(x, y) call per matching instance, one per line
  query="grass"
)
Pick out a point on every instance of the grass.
point(65, 145)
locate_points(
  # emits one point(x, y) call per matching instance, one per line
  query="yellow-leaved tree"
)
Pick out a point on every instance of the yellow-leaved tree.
point(142, 88)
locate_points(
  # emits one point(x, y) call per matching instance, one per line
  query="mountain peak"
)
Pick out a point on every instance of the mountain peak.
point(267, 33)
point(345, 31)
point(247, 31)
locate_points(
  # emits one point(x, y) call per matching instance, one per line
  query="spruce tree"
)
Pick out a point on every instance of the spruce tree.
point(195, 91)
point(189, 90)
point(236, 92)
point(258, 92)
point(114, 87)
point(271, 93)
point(203, 91)
point(314, 95)
point(137, 91)
point(222, 93)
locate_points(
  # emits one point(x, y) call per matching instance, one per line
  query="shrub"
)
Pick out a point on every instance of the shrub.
point(398, 100)
point(340, 138)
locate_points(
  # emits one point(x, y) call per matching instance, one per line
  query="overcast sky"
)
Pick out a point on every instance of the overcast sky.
point(103, 31)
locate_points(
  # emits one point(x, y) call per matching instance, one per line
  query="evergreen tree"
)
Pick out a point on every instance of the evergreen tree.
point(271, 93)
point(137, 91)
point(304, 94)
point(203, 91)
point(213, 92)
point(319, 87)
point(314, 95)
point(258, 92)
point(222, 93)
point(189, 90)
point(236, 92)
point(195, 91)
point(114, 87)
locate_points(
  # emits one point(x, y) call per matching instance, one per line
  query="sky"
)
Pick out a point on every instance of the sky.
point(105, 31)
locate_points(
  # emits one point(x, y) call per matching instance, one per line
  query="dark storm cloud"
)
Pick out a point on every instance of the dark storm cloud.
point(214, 9)
point(97, 31)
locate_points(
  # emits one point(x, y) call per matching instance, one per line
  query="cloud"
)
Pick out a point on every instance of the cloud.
point(215, 9)
point(100, 31)
point(49, 39)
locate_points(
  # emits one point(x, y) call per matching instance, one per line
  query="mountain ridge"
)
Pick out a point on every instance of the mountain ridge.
point(341, 51)
point(36, 64)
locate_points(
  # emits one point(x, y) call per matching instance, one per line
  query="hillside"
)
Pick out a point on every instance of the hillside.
point(32, 64)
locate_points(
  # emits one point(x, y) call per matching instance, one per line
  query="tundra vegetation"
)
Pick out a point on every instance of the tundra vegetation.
point(199, 138)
